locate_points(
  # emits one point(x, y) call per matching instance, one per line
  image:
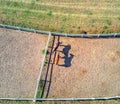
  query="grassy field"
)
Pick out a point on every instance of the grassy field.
point(68, 16)
point(63, 102)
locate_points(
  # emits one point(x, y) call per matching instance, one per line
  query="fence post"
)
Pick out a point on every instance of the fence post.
point(40, 73)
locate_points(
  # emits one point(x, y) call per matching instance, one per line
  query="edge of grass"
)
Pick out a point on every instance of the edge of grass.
point(23, 15)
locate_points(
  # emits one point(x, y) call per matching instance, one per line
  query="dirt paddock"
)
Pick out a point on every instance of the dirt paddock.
point(20, 60)
point(87, 68)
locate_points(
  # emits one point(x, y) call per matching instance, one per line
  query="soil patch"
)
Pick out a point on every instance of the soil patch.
point(87, 68)
point(20, 60)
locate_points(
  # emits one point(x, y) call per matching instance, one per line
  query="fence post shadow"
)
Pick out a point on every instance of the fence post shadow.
point(50, 68)
point(58, 43)
point(47, 69)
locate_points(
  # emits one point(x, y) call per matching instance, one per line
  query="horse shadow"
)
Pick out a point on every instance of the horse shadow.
point(67, 57)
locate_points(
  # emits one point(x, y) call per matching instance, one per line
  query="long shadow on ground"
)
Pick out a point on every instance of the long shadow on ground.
point(49, 70)
point(45, 81)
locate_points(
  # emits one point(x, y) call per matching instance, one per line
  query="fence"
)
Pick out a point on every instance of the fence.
point(38, 80)
point(115, 35)
point(62, 99)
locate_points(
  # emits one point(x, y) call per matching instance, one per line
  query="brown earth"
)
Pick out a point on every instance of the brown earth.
point(20, 60)
point(93, 68)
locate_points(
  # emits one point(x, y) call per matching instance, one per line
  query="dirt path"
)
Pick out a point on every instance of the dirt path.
point(87, 68)
point(20, 60)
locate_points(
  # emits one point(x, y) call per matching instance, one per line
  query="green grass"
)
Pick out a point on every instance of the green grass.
point(118, 17)
point(63, 102)
point(40, 88)
point(49, 13)
point(43, 51)
point(68, 16)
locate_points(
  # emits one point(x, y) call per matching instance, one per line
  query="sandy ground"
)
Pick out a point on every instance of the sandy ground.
point(87, 67)
point(20, 60)
point(93, 68)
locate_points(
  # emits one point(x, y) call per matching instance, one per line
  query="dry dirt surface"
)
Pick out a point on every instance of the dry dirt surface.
point(87, 68)
point(20, 61)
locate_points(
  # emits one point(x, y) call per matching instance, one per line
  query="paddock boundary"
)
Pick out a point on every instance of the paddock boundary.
point(112, 35)
point(62, 99)
point(40, 73)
